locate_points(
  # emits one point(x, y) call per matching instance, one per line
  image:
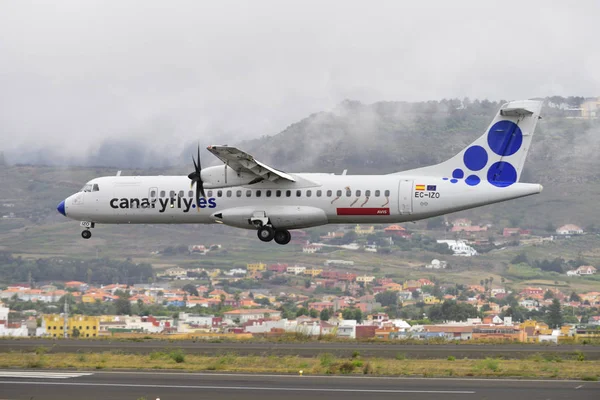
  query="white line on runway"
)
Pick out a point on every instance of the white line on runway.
point(369, 377)
point(44, 375)
point(282, 389)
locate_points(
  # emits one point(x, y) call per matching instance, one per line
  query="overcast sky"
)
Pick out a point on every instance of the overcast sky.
point(76, 73)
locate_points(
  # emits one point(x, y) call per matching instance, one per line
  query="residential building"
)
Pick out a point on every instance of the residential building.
point(364, 230)
point(365, 278)
point(436, 264)
point(311, 249)
point(313, 271)
point(459, 248)
point(569, 229)
point(256, 267)
point(81, 325)
point(586, 270)
point(296, 270)
point(245, 315)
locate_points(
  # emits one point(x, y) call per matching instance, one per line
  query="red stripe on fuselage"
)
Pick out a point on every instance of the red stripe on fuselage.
point(363, 211)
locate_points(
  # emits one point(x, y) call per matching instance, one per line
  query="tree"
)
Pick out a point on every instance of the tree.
point(123, 306)
point(313, 313)
point(307, 283)
point(574, 297)
point(555, 317)
point(358, 315)
point(76, 333)
point(548, 295)
point(325, 315)
point(191, 289)
point(520, 258)
point(387, 298)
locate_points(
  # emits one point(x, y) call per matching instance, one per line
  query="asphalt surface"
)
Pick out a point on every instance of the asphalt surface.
point(51, 385)
point(305, 349)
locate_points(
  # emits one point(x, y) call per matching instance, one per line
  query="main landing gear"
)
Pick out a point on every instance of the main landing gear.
point(266, 233)
point(86, 233)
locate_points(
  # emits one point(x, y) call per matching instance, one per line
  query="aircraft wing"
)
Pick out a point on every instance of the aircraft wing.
point(242, 161)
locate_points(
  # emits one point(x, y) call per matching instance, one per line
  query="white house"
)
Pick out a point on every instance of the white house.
point(569, 229)
point(296, 270)
point(572, 273)
point(459, 247)
point(436, 264)
point(586, 270)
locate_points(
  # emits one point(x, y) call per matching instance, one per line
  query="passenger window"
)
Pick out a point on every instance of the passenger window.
point(298, 193)
point(278, 193)
point(181, 193)
point(288, 193)
point(368, 193)
point(387, 193)
point(358, 193)
point(308, 193)
point(329, 193)
point(348, 193)
point(209, 193)
point(248, 193)
point(238, 193)
point(319, 193)
point(162, 193)
point(229, 193)
point(153, 193)
point(268, 193)
point(377, 193)
point(96, 188)
point(258, 193)
point(191, 193)
point(172, 194)
point(219, 193)
point(339, 193)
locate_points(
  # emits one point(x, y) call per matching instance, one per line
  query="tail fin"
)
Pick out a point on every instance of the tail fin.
point(497, 156)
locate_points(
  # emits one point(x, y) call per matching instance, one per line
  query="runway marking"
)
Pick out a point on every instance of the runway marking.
point(579, 387)
point(282, 389)
point(43, 375)
point(370, 377)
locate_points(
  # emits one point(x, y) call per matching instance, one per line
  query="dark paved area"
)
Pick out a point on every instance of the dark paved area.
point(51, 385)
point(306, 349)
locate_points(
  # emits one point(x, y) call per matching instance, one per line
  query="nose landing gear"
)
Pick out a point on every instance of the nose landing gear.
point(86, 234)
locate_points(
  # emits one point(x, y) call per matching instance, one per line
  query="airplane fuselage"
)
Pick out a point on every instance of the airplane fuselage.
point(336, 198)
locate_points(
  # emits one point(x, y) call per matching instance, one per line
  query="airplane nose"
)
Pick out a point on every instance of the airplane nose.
point(61, 208)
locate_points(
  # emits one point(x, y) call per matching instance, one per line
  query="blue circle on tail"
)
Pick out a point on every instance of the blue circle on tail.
point(472, 180)
point(475, 158)
point(505, 138)
point(502, 174)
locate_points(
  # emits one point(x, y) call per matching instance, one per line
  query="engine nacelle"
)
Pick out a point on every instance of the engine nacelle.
point(224, 176)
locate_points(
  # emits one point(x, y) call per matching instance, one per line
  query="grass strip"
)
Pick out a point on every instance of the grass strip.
point(535, 367)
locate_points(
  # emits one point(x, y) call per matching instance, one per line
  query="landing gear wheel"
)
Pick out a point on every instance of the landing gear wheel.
point(266, 233)
point(282, 236)
point(86, 234)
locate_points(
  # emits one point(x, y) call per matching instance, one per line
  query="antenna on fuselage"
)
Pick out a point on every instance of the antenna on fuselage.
point(344, 172)
point(118, 173)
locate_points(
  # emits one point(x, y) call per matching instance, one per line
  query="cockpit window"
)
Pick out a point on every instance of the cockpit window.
point(86, 188)
point(95, 188)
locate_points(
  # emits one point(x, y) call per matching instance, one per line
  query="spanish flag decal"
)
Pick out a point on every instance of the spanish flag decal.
point(419, 187)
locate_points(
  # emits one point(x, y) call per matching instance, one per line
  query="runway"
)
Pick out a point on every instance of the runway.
point(53, 385)
point(305, 349)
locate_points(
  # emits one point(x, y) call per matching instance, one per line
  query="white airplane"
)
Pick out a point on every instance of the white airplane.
point(245, 193)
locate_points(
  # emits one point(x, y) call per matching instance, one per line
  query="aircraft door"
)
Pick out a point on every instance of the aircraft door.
point(405, 191)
